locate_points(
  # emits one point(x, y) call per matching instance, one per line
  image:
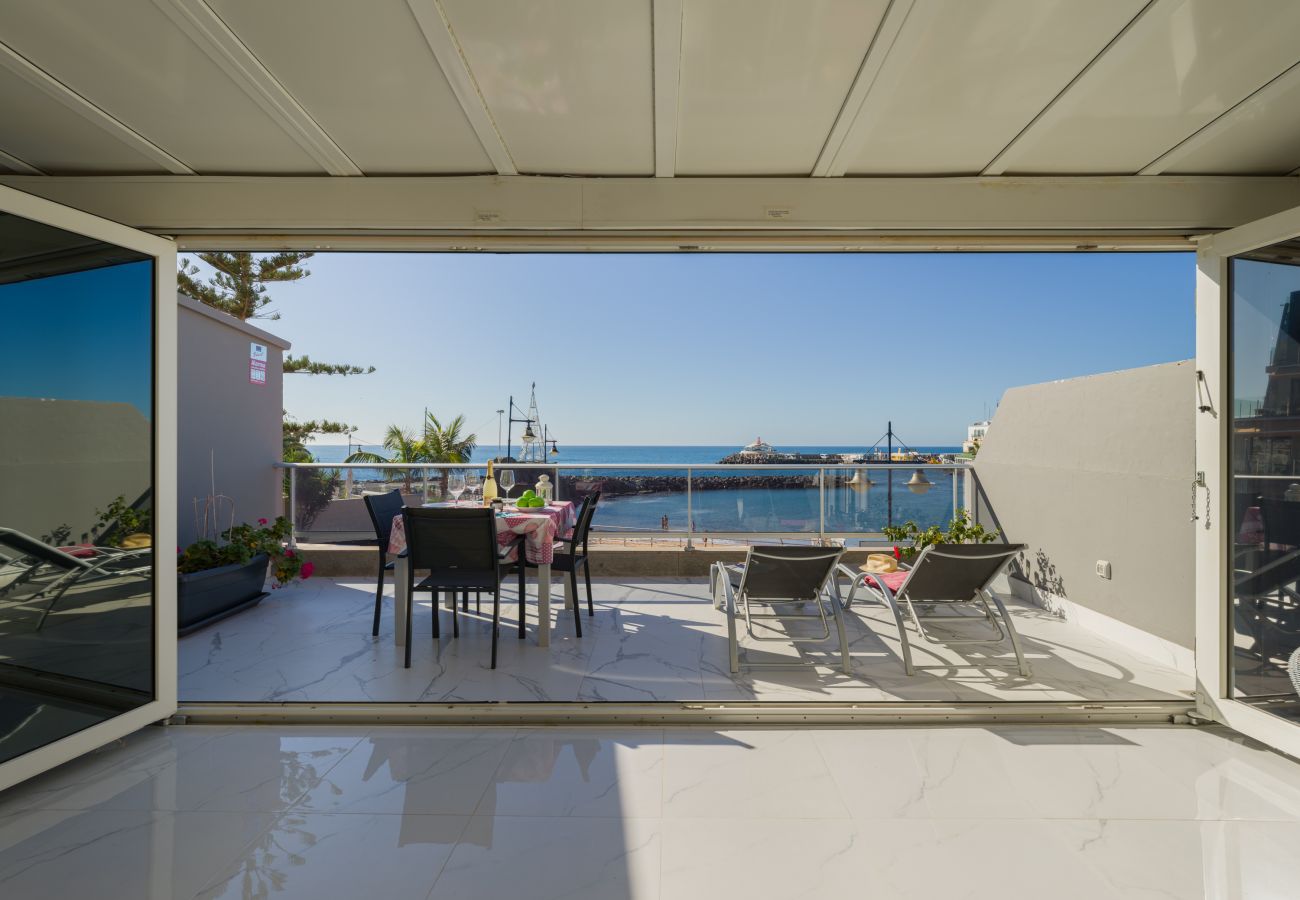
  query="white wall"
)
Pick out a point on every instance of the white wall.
point(1100, 468)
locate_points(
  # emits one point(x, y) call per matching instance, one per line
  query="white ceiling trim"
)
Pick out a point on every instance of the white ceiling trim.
point(1057, 106)
point(438, 34)
point(849, 133)
point(667, 16)
point(56, 89)
point(207, 30)
point(13, 162)
point(453, 205)
point(1211, 130)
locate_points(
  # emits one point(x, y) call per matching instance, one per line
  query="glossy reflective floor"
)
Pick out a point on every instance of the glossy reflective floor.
point(647, 641)
point(438, 812)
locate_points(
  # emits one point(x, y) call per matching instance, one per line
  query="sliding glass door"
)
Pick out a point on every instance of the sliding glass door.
point(1247, 485)
point(87, 569)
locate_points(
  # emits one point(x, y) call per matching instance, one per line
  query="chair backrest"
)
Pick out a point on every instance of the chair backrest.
point(26, 545)
point(956, 571)
point(583, 526)
point(383, 508)
point(1281, 521)
point(451, 538)
point(788, 573)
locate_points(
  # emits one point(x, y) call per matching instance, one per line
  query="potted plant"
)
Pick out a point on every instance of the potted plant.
point(218, 578)
point(961, 530)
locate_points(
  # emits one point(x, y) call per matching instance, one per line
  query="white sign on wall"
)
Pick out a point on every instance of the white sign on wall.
point(257, 363)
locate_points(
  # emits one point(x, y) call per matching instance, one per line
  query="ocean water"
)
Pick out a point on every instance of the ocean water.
point(733, 500)
point(571, 454)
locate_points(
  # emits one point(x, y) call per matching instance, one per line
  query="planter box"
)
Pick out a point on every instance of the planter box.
point(209, 596)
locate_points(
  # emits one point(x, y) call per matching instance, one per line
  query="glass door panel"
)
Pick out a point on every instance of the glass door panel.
point(1264, 525)
point(85, 649)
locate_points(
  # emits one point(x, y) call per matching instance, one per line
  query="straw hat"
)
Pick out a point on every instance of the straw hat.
point(879, 564)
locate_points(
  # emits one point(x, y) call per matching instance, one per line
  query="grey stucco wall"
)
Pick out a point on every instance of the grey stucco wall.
point(224, 420)
point(1099, 468)
point(64, 459)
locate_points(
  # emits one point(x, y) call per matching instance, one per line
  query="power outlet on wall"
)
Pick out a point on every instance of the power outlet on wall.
point(1103, 569)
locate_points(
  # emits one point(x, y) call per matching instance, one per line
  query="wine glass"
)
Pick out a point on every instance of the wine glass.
point(507, 481)
point(456, 484)
point(473, 483)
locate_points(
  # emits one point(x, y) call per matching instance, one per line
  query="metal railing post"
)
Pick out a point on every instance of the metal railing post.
point(955, 474)
point(293, 507)
point(821, 504)
point(690, 515)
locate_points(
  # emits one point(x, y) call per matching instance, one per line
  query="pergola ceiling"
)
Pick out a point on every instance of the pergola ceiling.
point(640, 88)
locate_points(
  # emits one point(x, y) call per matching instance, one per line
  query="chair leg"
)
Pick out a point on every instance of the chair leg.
point(586, 574)
point(455, 615)
point(523, 602)
point(838, 613)
point(1022, 664)
point(577, 607)
point(379, 596)
point(496, 622)
point(436, 618)
point(464, 600)
point(477, 596)
point(410, 604)
point(888, 597)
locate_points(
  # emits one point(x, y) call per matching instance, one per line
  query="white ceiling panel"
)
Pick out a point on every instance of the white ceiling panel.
point(367, 77)
point(1261, 137)
point(763, 80)
point(1180, 67)
point(965, 76)
point(567, 82)
point(130, 60)
point(48, 135)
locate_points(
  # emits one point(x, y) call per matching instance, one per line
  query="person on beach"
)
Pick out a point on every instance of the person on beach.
point(663, 523)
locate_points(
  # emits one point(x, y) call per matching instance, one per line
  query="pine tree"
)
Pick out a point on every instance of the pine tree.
point(239, 289)
point(239, 285)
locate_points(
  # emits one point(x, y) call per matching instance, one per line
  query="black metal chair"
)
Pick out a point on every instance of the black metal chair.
point(575, 557)
point(459, 549)
point(383, 508)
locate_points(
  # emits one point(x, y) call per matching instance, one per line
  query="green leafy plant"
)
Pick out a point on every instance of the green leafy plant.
point(120, 520)
point(240, 544)
point(961, 530)
point(316, 487)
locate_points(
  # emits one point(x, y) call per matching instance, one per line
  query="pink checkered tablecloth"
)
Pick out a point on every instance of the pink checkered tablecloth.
point(540, 528)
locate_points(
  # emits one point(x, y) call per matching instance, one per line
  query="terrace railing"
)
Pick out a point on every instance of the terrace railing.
point(647, 503)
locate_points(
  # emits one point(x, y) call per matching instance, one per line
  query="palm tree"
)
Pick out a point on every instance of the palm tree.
point(403, 446)
point(446, 444)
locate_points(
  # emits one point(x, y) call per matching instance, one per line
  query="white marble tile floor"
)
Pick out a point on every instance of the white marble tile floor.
point(648, 641)
point(414, 812)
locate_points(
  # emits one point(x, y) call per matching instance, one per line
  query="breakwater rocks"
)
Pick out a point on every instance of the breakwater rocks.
point(784, 459)
point(619, 485)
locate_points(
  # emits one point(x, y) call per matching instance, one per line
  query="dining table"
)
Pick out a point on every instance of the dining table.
point(540, 527)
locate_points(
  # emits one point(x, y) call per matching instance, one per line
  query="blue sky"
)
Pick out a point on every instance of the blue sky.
point(81, 336)
point(715, 349)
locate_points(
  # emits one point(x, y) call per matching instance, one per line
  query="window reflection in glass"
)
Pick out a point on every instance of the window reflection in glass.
point(76, 483)
point(1265, 532)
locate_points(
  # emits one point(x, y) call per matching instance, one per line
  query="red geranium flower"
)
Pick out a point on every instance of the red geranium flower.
point(261, 521)
point(288, 554)
point(307, 569)
point(897, 555)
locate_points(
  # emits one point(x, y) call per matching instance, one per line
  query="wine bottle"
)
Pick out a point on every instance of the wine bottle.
point(490, 491)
